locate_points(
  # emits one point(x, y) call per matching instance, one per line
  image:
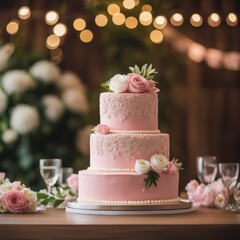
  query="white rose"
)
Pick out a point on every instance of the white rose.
point(70, 80)
point(159, 162)
point(9, 136)
point(118, 83)
point(142, 166)
point(24, 119)
point(17, 81)
point(3, 101)
point(82, 139)
point(46, 71)
point(53, 107)
point(31, 198)
point(76, 101)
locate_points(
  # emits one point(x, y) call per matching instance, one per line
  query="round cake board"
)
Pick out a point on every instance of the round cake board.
point(95, 209)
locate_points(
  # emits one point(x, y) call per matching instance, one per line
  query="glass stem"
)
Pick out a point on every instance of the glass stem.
point(49, 189)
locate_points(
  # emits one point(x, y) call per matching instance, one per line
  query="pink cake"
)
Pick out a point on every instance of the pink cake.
point(128, 153)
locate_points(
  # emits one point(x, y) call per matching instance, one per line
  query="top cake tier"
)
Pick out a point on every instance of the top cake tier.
point(129, 111)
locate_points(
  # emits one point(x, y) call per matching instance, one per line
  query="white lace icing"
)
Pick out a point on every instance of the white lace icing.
point(122, 105)
point(143, 202)
point(128, 146)
point(111, 169)
point(135, 131)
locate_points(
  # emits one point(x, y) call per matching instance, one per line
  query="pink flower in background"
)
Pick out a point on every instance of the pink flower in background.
point(2, 176)
point(102, 128)
point(172, 168)
point(72, 182)
point(15, 201)
point(137, 83)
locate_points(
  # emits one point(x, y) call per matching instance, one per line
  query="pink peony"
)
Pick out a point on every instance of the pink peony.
point(152, 86)
point(137, 83)
point(102, 128)
point(15, 201)
point(172, 169)
point(2, 176)
point(192, 186)
point(72, 182)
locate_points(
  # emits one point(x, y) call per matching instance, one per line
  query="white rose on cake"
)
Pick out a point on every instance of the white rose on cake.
point(118, 83)
point(142, 166)
point(17, 81)
point(159, 162)
point(3, 101)
point(24, 119)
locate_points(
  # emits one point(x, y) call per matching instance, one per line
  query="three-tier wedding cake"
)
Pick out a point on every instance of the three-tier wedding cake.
point(129, 156)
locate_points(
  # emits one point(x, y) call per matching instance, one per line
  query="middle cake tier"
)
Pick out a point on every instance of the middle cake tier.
point(120, 151)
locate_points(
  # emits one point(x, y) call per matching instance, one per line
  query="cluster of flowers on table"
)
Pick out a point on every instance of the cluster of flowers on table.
point(152, 169)
point(43, 111)
point(210, 195)
point(15, 197)
point(138, 81)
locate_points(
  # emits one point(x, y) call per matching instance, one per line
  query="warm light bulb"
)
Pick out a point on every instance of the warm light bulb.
point(101, 20)
point(52, 41)
point(176, 19)
point(51, 17)
point(214, 20)
point(86, 36)
point(118, 19)
point(131, 22)
point(232, 19)
point(156, 36)
point(145, 18)
point(160, 22)
point(147, 8)
point(24, 12)
point(12, 27)
point(113, 9)
point(79, 24)
point(129, 4)
point(60, 29)
point(196, 20)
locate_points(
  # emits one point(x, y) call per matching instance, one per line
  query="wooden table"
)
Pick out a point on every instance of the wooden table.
point(205, 223)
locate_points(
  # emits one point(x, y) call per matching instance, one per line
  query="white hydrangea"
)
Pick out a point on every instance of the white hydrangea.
point(76, 101)
point(5, 52)
point(17, 81)
point(53, 107)
point(46, 71)
point(71, 80)
point(9, 136)
point(82, 139)
point(3, 101)
point(24, 119)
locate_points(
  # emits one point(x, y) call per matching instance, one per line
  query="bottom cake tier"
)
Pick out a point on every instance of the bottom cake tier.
point(125, 188)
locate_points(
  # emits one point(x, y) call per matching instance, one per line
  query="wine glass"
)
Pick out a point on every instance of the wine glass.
point(206, 168)
point(63, 176)
point(50, 169)
point(229, 175)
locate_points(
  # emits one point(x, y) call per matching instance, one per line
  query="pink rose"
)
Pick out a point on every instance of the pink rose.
point(2, 176)
point(192, 186)
point(15, 201)
point(72, 182)
point(172, 168)
point(152, 86)
point(137, 83)
point(102, 128)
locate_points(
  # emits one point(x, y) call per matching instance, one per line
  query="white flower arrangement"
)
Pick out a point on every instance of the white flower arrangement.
point(41, 113)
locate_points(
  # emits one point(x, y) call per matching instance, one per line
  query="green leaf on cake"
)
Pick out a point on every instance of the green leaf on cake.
point(146, 71)
point(105, 85)
point(151, 178)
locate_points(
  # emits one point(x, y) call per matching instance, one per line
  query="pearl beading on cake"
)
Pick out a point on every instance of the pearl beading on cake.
point(136, 131)
point(143, 202)
point(111, 169)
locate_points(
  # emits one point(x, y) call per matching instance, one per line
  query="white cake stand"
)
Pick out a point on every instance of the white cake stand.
point(95, 209)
